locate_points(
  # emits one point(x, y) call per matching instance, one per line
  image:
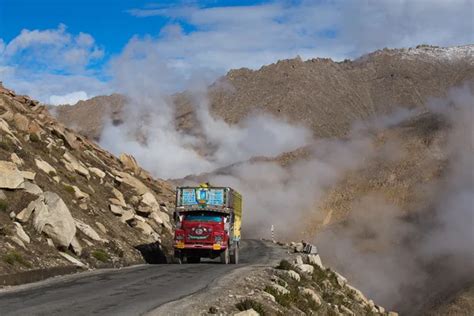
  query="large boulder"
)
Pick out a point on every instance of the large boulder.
point(130, 163)
point(136, 184)
point(45, 167)
point(10, 176)
point(87, 230)
point(72, 164)
point(55, 220)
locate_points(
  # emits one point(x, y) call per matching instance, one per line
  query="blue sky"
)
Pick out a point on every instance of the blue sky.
point(78, 49)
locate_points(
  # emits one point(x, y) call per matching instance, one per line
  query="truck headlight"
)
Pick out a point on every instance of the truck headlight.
point(218, 238)
point(179, 237)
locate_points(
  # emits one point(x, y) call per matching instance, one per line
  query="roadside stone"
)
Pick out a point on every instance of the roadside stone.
point(83, 206)
point(101, 227)
point(292, 274)
point(79, 194)
point(268, 296)
point(127, 216)
point(298, 260)
point(357, 294)
point(16, 160)
point(119, 197)
point(72, 260)
point(10, 176)
point(71, 162)
point(32, 188)
point(346, 311)
point(99, 173)
point(21, 233)
point(2, 195)
point(18, 241)
point(248, 312)
point(116, 210)
point(312, 294)
point(315, 259)
point(87, 230)
point(76, 246)
point(44, 166)
point(136, 184)
point(28, 175)
point(298, 247)
point(305, 268)
point(342, 281)
point(50, 242)
point(25, 214)
point(55, 220)
point(280, 289)
point(149, 199)
point(130, 163)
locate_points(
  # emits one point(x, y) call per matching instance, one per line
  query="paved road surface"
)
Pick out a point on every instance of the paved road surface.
point(131, 291)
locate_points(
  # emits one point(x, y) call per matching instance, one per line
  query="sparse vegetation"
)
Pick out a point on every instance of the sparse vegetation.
point(69, 189)
point(14, 257)
point(101, 255)
point(70, 177)
point(6, 144)
point(52, 173)
point(284, 265)
point(34, 138)
point(3, 206)
point(251, 304)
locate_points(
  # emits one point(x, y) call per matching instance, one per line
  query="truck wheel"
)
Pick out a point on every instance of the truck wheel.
point(178, 258)
point(225, 258)
point(234, 258)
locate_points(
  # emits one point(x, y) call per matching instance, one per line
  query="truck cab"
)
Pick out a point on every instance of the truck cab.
point(207, 227)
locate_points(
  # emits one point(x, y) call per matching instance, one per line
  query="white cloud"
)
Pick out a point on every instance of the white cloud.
point(52, 65)
point(52, 49)
point(222, 38)
point(70, 98)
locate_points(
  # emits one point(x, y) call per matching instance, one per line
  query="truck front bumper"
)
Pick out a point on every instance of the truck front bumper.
point(181, 245)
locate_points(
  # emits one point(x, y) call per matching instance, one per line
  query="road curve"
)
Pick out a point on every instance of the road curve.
point(132, 291)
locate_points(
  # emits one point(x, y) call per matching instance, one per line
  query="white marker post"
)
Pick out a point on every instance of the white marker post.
point(273, 233)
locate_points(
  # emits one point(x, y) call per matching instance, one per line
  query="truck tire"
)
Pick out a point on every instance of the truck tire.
point(234, 257)
point(225, 257)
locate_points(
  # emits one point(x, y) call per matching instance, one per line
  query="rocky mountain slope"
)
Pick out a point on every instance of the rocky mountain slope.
point(324, 95)
point(66, 202)
point(298, 284)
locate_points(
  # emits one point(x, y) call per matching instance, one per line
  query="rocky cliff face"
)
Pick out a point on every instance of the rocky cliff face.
point(324, 95)
point(64, 201)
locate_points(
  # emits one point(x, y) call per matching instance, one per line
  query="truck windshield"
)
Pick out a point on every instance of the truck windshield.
point(203, 218)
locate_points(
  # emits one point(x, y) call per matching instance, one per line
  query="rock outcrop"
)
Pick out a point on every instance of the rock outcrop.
point(64, 200)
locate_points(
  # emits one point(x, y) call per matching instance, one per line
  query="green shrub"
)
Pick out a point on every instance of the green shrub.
point(100, 255)
point(3, 206)
point(69, 189)
point(34, 138)
point(284, 265)
point(13, 257)
point(70, 177)
point(5, 145)
point(251, 304)
point(52, 173)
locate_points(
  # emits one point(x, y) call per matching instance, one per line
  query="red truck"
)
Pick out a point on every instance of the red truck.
point(208, 222)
